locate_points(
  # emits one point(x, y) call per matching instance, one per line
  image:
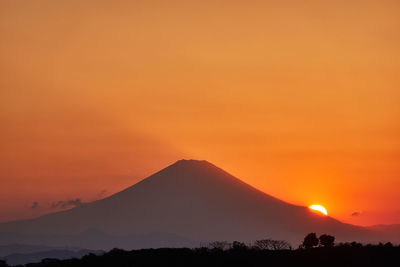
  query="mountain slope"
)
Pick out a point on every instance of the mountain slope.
point(194, 200)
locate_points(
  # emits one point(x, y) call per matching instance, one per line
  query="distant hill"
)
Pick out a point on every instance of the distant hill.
point(26, 249)
point(21, 258)
point(184, 204)
point(92, 238)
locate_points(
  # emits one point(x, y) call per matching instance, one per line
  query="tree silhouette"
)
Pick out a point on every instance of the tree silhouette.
point(326, 240)
point(388, 245)
point(311, 240)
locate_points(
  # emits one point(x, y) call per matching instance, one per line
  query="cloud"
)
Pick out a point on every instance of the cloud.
point(355, 214)
point(63, 204)
point(35, 205)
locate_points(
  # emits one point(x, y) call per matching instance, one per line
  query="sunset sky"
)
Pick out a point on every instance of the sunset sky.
point(300, 99)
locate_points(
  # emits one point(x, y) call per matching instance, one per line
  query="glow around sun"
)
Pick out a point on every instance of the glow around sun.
point(319, 208)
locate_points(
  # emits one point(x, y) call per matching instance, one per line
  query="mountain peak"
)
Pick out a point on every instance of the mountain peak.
point(192, 162)
point(193, 168)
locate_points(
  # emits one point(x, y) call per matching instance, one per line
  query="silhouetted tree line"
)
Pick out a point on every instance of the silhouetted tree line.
point(314, 251)
point(264, 244)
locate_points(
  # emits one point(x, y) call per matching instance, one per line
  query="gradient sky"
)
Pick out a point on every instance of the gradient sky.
point(300, 99)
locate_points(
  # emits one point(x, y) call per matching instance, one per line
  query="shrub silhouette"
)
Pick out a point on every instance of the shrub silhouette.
point(218, 245)
point(311, 240)
point(326, 240)
point(270, 244)
point(353, 244)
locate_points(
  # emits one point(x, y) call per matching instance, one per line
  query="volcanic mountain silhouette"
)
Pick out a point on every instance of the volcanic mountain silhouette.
point(194, 200)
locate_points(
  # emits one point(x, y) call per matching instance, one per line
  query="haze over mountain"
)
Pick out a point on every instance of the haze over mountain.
point(182, 205)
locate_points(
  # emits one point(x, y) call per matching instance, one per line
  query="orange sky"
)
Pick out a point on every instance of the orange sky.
point(298, 98)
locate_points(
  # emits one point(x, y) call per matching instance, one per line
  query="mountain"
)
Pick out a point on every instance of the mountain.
point(390, 229)
point(191, 200)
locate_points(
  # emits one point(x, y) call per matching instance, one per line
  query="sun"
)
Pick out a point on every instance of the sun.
point(319, 208)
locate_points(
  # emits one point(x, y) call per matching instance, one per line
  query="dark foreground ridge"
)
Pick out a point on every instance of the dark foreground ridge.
point(345, 255)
